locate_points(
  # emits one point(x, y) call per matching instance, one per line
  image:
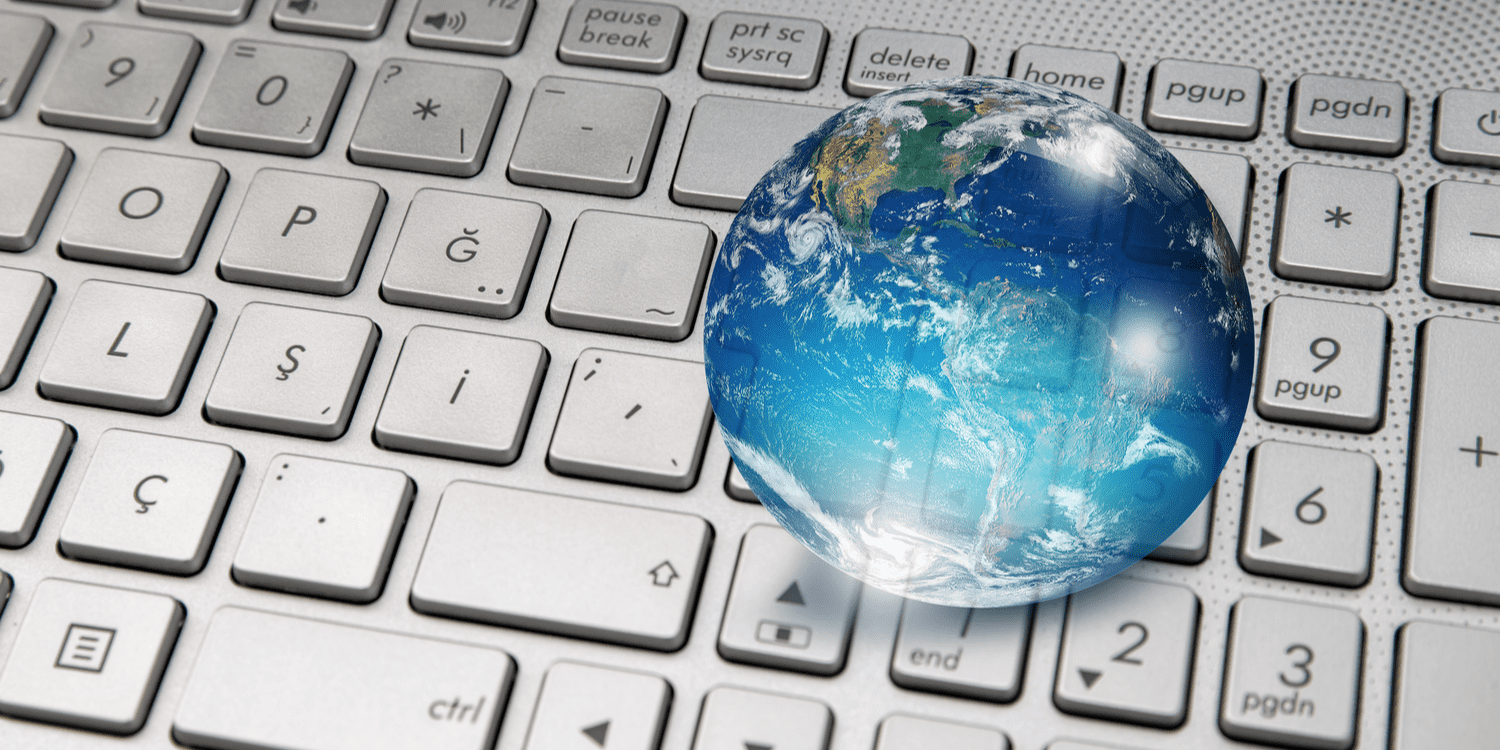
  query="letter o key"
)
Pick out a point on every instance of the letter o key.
point(131, 209)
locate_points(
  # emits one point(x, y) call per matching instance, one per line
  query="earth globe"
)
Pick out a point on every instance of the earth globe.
point(979, 342)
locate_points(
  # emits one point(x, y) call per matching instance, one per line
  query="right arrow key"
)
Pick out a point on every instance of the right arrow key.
point(1309, 513)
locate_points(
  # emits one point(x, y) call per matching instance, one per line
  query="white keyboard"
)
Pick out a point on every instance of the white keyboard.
point(351, 391)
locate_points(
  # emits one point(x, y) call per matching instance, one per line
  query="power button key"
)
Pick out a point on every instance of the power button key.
point(1467, 128)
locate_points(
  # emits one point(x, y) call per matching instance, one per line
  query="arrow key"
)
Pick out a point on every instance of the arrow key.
point(1309, 514)
point(586, 707)
point(736, 719)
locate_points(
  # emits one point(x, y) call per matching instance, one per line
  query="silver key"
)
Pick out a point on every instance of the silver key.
point(34, 172)
point(429, 117)
point(334, 686)
point(126, 347)
point(442, 264)
point(632, 574)
point(1127, 652)
point(23, 39)
point(787, 608)
point(146, 211)
point(886, 59)
point(1348, 114)
point(588, 136)
point(731, 143)
point(227, 12)
point(488, 27)
point(1292, 674)
point(462, 395)
point(120, 79)
point(901, 732)
point(89, 656)
point(1323, 363)
point(304, 232)
point(1463, 233)
point(293, 371)
point(1095, 76)
point(150, 502)
point(970, 653)
point(736, 486)
point(1465, 128)
point(324, 528)
point(632, 418)
point(633, 275)
point(276, 98)
point(764, 50)
point(33, 451)
point(24, 298)
point(1226, 180)
point(1198, 98)
point(1189, 543)
point(1337, 225)
point(737, 719)
point(1309, 513)
point(1446, 693)
point(354, 19)
point(583, 706)
point(1453, 499)
point(622, 34)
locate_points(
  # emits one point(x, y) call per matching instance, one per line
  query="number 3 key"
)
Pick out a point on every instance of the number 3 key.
point(121, 80)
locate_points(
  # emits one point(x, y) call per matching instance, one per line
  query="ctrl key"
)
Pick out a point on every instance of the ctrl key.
point(272, 681)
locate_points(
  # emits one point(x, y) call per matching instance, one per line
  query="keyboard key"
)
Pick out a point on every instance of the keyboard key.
point(737, 487)
point(151, 502)
point(33, 451)
point(1323, 364)
point(610, 708)
point(631, 575)
point(900, 732)
point(227, 12)
point(1463, 233)
point(1189, 543)
point(1309, 514)
point(1226, 180)
point(1337, 225)
point(731, 143)
point(970, 653)
point(89, 656)
point(334, 686)
point(632, 275)
point(304, 232)
point(293, 371)
point(126, 347)
point(1198, 98)
point(462, 395)
point(428, 117)
point(1453, 499)
point(886, 59)
point(146, 211)
point(80, 3)
point(787, 608)
point(1466, 128)
point(1292, 674)
point(24, 298)
point(1348, 114)
point(1095, 76)
point(1446, 693)
point(634, 419)
point(23, 39)
point(1127, 652)
point(588, 136)
point(624, 35)
point(120, 79)
point(34, 172)
point(354, 19)
point(483, 26)
point(276, 98)
point(764, 50)
point(736, 719)
point(480, 271)
point(324, 528)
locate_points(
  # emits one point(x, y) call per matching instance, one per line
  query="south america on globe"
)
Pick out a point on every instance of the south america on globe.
point(979, 342)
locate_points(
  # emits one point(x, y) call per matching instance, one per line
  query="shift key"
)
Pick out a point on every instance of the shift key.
point(271, 681)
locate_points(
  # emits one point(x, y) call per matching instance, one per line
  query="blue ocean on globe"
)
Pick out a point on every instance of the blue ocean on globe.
point(979, 342)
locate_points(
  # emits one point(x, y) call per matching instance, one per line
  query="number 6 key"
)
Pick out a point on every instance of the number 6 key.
point(120, 79)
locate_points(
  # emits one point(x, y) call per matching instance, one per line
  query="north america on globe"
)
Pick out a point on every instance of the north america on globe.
point(979, 342)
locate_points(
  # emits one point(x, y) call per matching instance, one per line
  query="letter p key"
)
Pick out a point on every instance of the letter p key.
point(308, 211)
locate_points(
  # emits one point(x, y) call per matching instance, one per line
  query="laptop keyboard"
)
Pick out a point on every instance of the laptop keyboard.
point(351, 389)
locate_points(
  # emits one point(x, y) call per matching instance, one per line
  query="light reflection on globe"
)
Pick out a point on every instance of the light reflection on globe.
point(979, 342)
